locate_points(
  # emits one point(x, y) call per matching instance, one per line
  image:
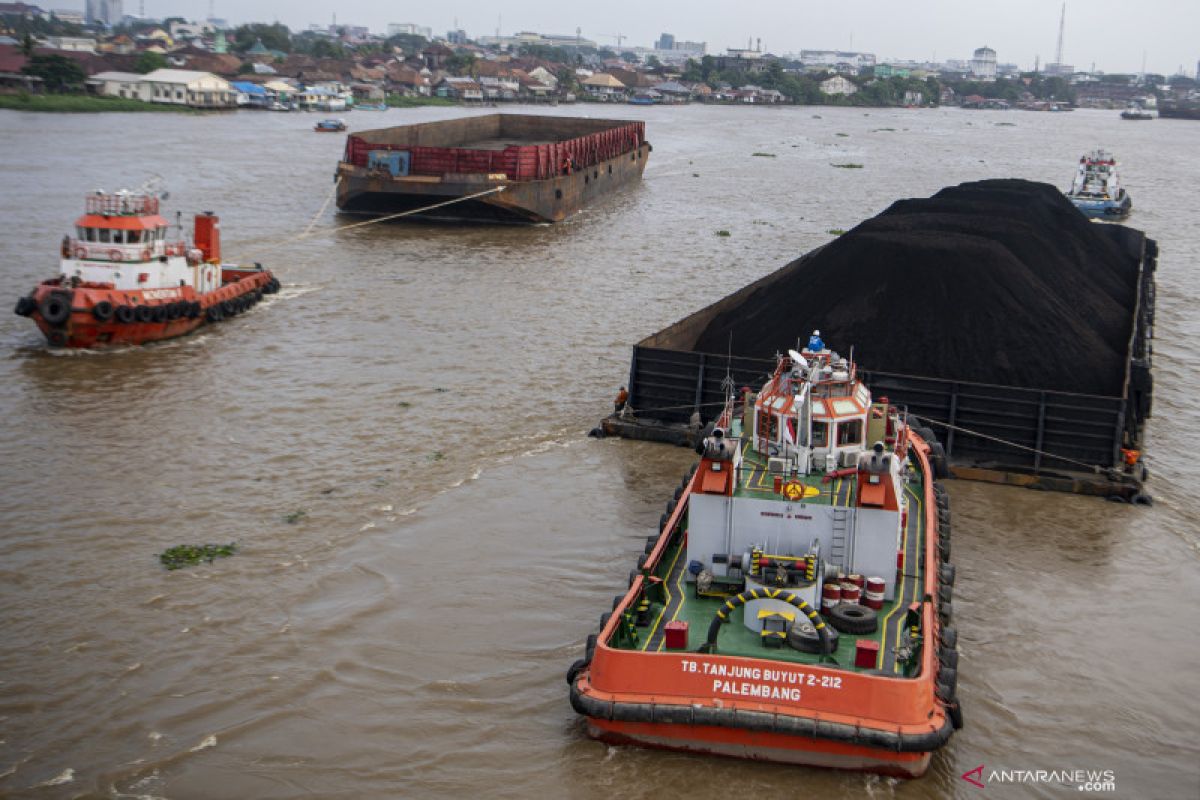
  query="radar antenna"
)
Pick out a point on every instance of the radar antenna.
point(154, 186)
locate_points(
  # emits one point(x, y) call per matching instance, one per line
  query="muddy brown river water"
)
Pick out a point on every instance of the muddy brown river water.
point(425, 535)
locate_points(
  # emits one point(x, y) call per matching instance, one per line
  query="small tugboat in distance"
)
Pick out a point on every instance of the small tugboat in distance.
point(330, 126)
point(1136, 111)
point(796, 604)
point(123, 280)
point(1097, 190)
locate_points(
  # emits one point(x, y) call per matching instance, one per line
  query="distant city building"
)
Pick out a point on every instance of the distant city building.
point(458, 36)
point(839, 84)
point(1058, 70)
point(408, 29)
point(70, 16)
point(103, 12)
point(666, 41)
point(836, 58)
point(523, 38)
point(983, 65)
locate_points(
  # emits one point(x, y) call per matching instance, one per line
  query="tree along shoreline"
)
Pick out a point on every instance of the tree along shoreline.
point(84, 104)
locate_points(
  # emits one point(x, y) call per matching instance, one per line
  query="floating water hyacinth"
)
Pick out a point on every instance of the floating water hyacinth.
point(189, 555)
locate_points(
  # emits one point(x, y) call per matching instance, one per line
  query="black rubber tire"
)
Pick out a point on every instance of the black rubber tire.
point(228, 308)
point(926, 433)
point(25, 306)
point(662, 521)
point(944, 548)
point(213, 314)
point(194, 310)
point(633, 576)
point(158, 313)
point(937, 455)
point(651, 541)
point(1115, 498)
point(954, 711)
point(946, 613)
point(573, 671)
point(143, 313)
point(641, 562)
point(804, 637)
point(604, 618)
point(258, 295)
point(946, 574)
point(678, 494)
point(589, 647)
point(1142, 499)
point(946, 594)
point(671, 506)
point(949, 637)
point(617, 598)
point(948, 657)
point(125, 314)
point(945, 693)
point(174, 311)
point(949, 677)
point(55, 308)
point(103, 311)
point(943, 516)
point(853, 618)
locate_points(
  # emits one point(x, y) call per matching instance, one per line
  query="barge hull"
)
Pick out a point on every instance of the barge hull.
point(492, 168)
point(550, 200)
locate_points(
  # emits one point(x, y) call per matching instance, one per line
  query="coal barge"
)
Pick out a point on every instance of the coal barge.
point(1017, 330)
point(492, 168)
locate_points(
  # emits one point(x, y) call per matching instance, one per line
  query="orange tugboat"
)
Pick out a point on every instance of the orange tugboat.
point(796, 604)
point(124, 280)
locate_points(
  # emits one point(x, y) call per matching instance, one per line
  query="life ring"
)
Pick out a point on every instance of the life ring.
point(146, 254)
point(115, 255)
point(81, 252)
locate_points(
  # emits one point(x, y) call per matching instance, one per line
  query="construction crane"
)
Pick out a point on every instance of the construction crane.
point(620, 37)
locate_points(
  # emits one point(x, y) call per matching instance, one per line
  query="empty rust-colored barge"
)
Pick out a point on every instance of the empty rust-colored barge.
point(491, 168)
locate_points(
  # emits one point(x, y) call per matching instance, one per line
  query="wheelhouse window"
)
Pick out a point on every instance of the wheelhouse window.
point(850, 432)
point(105, 235)
point(820, 433)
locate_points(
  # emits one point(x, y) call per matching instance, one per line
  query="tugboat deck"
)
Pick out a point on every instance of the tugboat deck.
point(683, 603)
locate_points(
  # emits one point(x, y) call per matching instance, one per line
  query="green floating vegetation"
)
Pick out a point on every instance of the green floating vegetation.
point(295, 516)
point(436, 455)
point(847, 166)
point(841, 134)
point(763, 155)
point(1006, 124)
point(695, 174)
point(189, 555)
point(877, 130)
point(723, 233)
point(836, 231)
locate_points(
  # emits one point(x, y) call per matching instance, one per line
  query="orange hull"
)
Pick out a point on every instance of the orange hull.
point(92, 315)
point(802, 751)
point(766, 709)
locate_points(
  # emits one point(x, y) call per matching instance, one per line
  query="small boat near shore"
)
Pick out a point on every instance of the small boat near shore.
point(796, 605)
point(330, 126)
point(1096, 189)
point(124, 280)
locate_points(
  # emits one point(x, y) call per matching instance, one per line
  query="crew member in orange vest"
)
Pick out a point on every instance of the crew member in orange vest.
point(622, 399)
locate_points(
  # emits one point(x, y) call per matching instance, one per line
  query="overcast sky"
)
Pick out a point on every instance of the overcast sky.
point(1112, 34)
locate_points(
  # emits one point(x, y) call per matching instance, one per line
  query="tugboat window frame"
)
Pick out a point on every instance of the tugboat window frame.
point(820, 433)
point(850, 432)
point(610, 169)
point(558, 194)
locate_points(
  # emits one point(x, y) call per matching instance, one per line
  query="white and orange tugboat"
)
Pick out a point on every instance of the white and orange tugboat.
point(796, 604)
point(124, 279)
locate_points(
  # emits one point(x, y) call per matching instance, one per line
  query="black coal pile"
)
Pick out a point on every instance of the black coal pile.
point(998, 281)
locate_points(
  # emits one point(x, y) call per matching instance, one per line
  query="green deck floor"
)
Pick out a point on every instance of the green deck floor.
point(738, 640)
